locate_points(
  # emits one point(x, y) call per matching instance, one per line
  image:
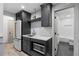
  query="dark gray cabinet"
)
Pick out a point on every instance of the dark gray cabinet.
point(24, 16)
point(43, 46)
point(39, 42)
point(26, 45)
point(26, 28)
point(49, 47)
point(46, 15)
point(19, 16)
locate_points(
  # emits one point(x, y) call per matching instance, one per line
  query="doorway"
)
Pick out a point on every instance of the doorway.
point(11, 31)
point(64, 32)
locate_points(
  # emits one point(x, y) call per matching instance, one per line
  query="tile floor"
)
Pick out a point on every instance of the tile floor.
point(64, 49)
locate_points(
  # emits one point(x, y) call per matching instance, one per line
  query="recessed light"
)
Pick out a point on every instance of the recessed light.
point(22, 7)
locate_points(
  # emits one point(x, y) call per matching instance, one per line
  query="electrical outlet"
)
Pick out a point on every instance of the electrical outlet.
point(55, 49)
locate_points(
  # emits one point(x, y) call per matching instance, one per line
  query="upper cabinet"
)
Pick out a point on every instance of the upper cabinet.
point(37, 14)
point(18, 16)
point(23, 15)
point(46, 15)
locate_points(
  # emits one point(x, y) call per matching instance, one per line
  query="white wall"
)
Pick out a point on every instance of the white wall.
point(65, 23)
point(41, 31)
point(6, 20)
point(76, 30)
point(1, 19)
point(1, 30)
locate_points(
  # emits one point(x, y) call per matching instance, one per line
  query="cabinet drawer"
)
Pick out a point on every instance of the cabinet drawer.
point(39, 48)
point(38, 41)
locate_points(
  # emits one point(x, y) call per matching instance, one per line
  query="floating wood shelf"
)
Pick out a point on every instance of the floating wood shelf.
point(35, 20)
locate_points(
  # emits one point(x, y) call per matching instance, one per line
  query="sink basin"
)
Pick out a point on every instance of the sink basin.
point(30, 35)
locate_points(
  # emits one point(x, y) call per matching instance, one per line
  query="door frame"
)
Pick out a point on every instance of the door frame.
point(55, 23)
point(76, 23)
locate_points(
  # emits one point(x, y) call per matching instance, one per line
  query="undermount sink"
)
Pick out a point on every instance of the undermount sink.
point(30, 35)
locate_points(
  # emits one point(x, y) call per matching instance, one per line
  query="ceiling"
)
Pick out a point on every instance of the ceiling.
point(16, 7)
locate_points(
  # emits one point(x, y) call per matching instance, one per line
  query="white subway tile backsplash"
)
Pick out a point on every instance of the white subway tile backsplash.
point(42, 31)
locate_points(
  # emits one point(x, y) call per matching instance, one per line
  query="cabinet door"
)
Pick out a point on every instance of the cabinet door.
point(18, 16)
point(26, 16)
point(40, 42)
point(26, 28)
point(25, 24)
point(46, 12)
point(26, 45)
point(44, 16)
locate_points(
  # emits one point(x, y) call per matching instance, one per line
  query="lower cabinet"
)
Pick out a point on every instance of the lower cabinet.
point(38, 47)
point(26, 45)
point(41, 48)
point(35, 47)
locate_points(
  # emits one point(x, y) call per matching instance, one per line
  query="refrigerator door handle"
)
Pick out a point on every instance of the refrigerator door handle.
point(18, 29)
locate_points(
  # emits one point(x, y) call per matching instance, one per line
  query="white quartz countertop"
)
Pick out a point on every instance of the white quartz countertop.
point(39, 37)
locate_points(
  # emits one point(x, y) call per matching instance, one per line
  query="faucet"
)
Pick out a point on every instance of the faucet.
point(33, 32)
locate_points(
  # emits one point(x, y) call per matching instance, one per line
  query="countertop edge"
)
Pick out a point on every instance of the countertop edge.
point(37, 38)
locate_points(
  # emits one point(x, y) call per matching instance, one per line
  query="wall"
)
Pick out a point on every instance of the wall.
point(76, 30)
point(65, 23)
point(42, 31)
point(36, 26)
point(1, 22)
point(1, 18)
point(1, 30)
point(6, 18)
